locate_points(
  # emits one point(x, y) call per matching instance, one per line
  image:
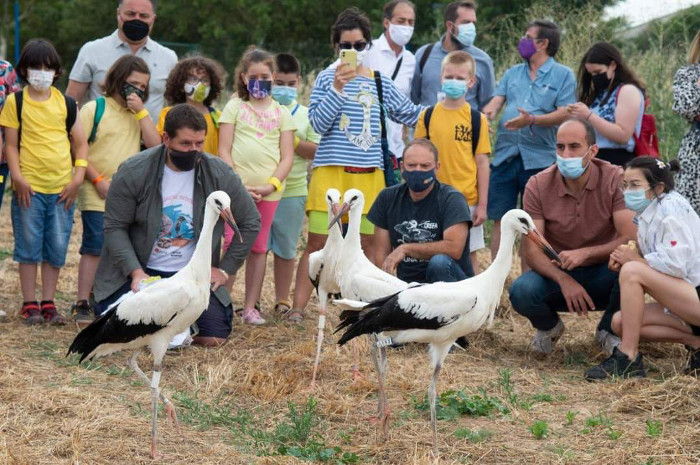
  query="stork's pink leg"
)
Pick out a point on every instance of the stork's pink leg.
point(319, 342)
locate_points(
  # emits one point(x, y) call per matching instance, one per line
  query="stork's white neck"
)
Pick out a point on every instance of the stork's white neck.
point(352, 238)
point(200, 263)
point(504, 257)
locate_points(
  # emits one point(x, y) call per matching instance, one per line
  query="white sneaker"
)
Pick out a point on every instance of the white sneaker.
point(607, 340)
point(544, 341)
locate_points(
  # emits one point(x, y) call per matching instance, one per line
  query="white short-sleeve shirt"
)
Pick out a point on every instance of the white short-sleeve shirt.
point(96, 57)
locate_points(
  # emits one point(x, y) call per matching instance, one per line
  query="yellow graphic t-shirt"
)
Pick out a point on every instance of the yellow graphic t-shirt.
point(451, 132)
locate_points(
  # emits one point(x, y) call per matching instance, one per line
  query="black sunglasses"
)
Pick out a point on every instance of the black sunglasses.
point(359, 46)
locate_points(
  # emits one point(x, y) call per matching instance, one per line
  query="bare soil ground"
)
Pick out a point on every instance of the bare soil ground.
point(234, 402)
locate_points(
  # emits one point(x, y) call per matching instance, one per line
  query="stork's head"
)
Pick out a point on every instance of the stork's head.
point(352, 200)
point(220, 203)
point(520, 222)
point(333, 201)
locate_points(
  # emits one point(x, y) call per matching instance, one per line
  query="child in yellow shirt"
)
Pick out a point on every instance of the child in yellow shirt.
point(42, 132)
point(463, 144)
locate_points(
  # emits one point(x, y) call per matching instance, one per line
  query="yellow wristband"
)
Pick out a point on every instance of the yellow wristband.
point(81, 163)
point(141, 115)
point(296, 142)
point(275, 182)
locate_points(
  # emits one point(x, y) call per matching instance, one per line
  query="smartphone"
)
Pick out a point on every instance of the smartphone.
point(350, 57)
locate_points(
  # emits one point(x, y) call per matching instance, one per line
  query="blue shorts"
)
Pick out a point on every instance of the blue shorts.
point(42, 230)
point(215, 321)
point(286, 227)
point(506, 183)
point(93, 232)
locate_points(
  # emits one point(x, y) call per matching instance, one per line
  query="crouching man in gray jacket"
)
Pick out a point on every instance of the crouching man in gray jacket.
point(154, 215)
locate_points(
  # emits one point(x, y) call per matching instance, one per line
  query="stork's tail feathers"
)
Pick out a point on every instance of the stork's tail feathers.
point(347, 318)
point(347, 304)
point(89, 338)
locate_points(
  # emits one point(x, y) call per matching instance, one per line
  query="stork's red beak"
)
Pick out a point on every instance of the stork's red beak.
point(227, 216)
point(339, 215)
point(542, 243)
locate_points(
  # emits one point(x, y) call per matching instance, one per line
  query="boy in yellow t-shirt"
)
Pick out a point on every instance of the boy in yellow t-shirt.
point(463, 150)
point(38, 151)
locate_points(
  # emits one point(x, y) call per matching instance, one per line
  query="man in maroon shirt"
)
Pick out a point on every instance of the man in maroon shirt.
point(578, 206)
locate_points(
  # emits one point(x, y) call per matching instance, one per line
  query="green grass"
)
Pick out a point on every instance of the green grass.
point(601, 422)
point(570, 416)
point(453, 404)
point(297, 435)
point(5, 253)
point(473, 435)
point(539, 429)
point(654, 428)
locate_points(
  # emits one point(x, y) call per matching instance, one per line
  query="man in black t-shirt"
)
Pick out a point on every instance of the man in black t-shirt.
point(422, 226)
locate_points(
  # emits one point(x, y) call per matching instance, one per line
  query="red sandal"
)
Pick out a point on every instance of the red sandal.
point(50, 314)
point(31, 314)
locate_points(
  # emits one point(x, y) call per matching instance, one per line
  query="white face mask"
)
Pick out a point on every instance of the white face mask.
point(400, 35)
point(361, 56)
point(39, 79)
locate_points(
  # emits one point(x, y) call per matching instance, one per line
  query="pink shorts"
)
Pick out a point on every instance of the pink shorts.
point(267, 210)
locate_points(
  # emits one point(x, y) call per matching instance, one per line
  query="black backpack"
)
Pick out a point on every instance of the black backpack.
point(476, 126)
point(71, 106)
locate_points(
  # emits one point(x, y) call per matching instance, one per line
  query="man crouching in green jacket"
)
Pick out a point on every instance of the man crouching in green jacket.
point(154, 214)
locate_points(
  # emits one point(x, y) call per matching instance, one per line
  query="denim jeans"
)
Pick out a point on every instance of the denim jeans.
point(539, 299)
point(444, 268)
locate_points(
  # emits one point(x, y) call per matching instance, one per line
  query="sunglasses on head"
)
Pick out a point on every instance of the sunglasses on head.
point(359, 46)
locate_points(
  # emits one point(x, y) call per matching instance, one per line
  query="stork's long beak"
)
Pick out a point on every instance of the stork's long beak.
point(542, 243)
point(343, 210)
point(227, 216)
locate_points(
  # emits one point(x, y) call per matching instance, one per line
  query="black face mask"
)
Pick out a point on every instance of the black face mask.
point(601, 82)
point(184, 161)
point(128, 89)
point(135, 30)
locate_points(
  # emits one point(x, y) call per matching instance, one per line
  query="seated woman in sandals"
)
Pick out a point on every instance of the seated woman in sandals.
point(668, 269)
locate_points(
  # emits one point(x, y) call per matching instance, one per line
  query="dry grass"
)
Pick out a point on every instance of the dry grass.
point(53, 411)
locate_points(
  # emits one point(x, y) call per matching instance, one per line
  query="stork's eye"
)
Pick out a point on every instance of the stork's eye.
point(354, 198)
point(329, 198)
point(524, 222)
point(218, 203)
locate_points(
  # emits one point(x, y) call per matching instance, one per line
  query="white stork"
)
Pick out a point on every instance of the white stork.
point(439, 313)
point(152, 316)
point(361, 280)
point(322, 274)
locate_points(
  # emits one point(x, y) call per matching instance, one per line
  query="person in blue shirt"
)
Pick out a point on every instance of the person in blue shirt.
point(460, 23)
point(535, 95)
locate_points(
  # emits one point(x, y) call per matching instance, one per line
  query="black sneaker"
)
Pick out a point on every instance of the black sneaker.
point(82, 313)
point(692, 368)
point(618, 364)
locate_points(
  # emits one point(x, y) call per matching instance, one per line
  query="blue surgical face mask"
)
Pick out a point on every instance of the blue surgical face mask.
point(284, 94)
point(454, 88)
point(572, 168)
point(636, 200)
point(466, 34)
point(418, 181)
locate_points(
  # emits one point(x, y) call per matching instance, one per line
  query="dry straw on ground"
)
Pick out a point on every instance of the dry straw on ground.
point(55, 412)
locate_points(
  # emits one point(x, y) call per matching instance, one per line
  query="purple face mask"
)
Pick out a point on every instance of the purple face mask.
point(259, 88)
point(527, 48)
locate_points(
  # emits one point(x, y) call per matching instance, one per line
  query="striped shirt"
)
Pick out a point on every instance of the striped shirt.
point(349, 121)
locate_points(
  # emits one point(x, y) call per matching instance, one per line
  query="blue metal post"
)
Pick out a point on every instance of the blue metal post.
point(16, 31)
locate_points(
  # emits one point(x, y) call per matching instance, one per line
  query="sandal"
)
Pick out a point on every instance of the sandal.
point(295, 315)
point(283, 307)
point(50, 314)
point(31, 313)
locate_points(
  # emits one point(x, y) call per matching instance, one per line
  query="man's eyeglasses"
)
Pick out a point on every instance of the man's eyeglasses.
point(359, 46)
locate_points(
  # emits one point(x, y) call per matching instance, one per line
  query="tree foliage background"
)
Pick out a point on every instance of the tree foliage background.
point(223, 29)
